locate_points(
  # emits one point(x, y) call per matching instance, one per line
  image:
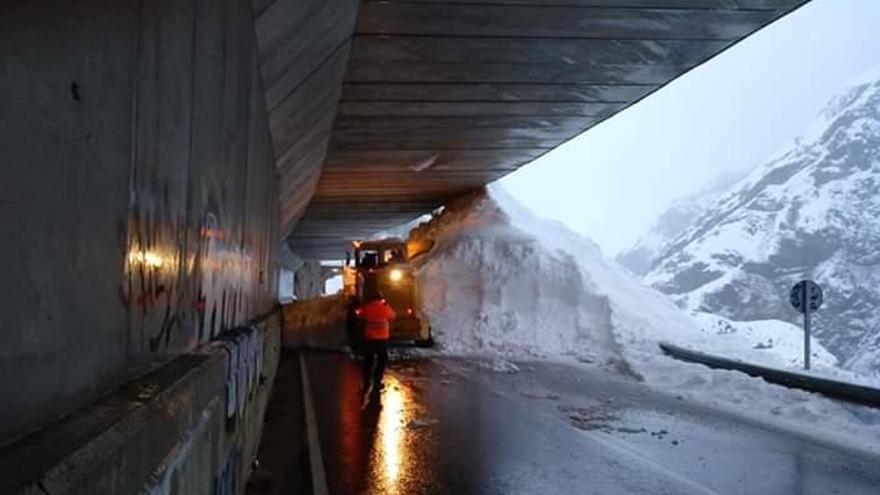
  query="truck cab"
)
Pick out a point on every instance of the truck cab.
point(383, 266)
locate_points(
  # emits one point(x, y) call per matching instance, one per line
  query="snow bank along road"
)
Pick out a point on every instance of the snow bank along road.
point(450, 425)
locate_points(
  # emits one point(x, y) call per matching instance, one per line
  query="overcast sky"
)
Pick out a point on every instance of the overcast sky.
point(728, 115)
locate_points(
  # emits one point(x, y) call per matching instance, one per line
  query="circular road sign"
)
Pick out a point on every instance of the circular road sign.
point(813, 292)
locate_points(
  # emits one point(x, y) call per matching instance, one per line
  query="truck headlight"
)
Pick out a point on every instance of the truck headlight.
point(396, 275)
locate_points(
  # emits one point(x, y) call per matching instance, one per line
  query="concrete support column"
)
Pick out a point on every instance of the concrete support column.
point(309, 280)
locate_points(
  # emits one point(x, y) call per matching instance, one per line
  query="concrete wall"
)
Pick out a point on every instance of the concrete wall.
point(217, 453)
point(190, 426)
point(138, 195)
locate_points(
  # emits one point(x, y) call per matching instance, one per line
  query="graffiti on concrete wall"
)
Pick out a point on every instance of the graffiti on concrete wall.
point(228, 274)
point(202, 222)
point(180, 295)
point(227, 482)
point(244, 346)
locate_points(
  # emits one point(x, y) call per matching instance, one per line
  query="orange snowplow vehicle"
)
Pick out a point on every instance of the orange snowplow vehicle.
point(384, 266)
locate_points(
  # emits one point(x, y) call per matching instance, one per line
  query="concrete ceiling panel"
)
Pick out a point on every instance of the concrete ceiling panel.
point(384, 113)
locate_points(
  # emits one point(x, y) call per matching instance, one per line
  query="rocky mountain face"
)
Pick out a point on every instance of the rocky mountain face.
point(811, 212)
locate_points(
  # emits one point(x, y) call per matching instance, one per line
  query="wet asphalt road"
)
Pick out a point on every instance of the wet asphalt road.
point(453, 426)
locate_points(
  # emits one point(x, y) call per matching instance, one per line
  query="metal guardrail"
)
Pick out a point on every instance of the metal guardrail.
point(849, 392)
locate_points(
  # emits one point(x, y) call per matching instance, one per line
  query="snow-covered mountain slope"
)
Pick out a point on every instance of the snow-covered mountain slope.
point(811, 212)
point(641, 257)
point(670, 224)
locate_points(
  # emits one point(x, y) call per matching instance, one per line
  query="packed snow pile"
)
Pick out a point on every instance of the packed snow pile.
point(492, 287)
point(505, 285)
point(501, 282)
point(317, 322)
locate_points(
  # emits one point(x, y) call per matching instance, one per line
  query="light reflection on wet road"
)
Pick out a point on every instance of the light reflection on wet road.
point(390, 455)
point(450, 427)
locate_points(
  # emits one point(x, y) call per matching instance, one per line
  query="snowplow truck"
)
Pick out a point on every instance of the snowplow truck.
point(383, 267)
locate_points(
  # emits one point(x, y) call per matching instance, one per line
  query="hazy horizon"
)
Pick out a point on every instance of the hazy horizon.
point(725, 117)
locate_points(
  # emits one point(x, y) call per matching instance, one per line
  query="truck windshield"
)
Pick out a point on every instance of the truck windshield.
point(367, 258)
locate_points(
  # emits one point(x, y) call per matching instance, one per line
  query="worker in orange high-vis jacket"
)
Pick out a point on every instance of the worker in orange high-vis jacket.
point(377, 316)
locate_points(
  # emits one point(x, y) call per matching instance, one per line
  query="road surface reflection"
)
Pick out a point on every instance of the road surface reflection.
point(389, 452)
point(378, 437)
point(449, 426)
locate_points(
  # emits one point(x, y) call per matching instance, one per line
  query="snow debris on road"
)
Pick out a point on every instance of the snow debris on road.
point(598, 417)
point(498, 365)
point(500, 283)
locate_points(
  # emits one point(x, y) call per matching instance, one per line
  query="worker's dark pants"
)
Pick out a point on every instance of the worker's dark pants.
point(375, 357)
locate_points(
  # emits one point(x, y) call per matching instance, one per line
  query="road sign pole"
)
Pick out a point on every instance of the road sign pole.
point(806, 297)
point(806, 301)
